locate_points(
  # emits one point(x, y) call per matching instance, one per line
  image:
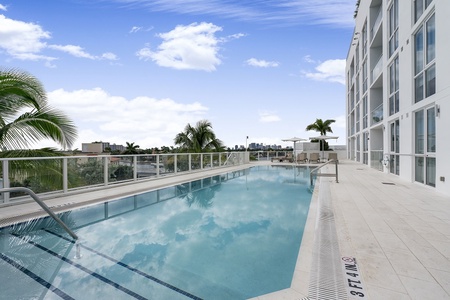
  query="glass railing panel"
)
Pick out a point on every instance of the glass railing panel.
point(166, 164)
point(376, 71)
point(376, 24)
point(376, 159)
point(182, 162)
point(377, 114)
point(39, 175)
point(146, 166)
point(120, 168)
point(84, 172)
point(195, 161)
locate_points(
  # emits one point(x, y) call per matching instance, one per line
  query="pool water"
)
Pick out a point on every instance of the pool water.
point(232, 236)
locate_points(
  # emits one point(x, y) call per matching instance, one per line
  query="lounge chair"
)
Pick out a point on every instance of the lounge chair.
point(333, 156)
point(314, 157)
point(302, 157)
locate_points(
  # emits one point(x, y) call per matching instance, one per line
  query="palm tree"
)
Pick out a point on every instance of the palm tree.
point(323, 127)
point(131, 148)
point(26, 117)
point(198, 139)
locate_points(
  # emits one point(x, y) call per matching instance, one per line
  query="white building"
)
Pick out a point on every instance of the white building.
point(398, 89)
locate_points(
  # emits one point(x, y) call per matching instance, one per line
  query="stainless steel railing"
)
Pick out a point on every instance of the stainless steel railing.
point(44, 207)
point(315, 170)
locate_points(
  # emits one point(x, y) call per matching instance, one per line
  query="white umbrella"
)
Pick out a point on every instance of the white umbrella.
point(322, 138)
point(295, 140)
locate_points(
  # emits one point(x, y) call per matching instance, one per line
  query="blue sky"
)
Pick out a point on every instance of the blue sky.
point(140, 70)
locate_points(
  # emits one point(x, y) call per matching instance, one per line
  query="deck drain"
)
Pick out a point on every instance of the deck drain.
point(388, 183)
point(327, 278)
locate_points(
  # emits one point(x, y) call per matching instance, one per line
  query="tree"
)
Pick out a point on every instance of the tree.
point(322, 127)
point(26, 117)
point(198, 139)
point(131, 148)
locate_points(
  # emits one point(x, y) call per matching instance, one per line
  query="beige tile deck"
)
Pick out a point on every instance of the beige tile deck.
point(399, 234)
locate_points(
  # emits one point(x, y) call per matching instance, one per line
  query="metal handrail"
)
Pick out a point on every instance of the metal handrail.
point(44, 207)
point(336, 162)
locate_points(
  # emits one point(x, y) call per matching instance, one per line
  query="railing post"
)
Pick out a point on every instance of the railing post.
point(157, 165)
point(337, 177)
point(105, 170)
point(134, 167)
point(65, 174)
point(5, 166)
point(190, 161)
point(175, 163)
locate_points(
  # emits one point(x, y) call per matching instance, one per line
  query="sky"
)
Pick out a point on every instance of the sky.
point(139, 71)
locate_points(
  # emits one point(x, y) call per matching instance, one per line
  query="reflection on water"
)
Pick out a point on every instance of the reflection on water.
point(232, 236)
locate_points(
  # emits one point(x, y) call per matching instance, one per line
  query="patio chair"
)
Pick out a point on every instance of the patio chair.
point(333, 156)
point(314, 157)
point(302, 157)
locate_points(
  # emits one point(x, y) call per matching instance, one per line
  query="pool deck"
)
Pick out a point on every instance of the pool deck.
point(399, 232)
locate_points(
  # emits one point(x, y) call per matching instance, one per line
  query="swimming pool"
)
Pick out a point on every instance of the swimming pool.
point(231, 236)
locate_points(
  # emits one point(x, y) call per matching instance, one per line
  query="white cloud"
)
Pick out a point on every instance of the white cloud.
point(3, 7)
point(308, 59)
point(332, 70)
point(279, 13)
point(194, 47)
point(109, 56)
point(147, 121)
point(76, 51)
point(23, 40)
point(135, 29)
point(26, 41)
point(268, 117)
point(261, 63)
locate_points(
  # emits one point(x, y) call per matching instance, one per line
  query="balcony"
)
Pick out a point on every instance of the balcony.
point(376, 71)
point(376, 24)
point(377, 115)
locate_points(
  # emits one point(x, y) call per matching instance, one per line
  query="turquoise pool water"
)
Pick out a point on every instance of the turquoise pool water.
point(232, 236)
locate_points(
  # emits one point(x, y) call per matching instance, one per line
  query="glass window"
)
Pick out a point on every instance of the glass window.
point(424, 60)
point(431, 130)
point(419, 51)
point(418, 83)
point(365, 112)
point(418, 9)
point(431, 39)
point(393, 27)
point(419, 132)
point(419, 169)
point(364, 39)
point(431, 171)
point(394, 87)
point(425, 160)
point(430, 76)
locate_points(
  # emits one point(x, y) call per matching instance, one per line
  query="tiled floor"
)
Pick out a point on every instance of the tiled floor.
point(399, 233)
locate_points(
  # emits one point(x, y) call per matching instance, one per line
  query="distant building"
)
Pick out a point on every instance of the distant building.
point(96, 147)
point(398, 90)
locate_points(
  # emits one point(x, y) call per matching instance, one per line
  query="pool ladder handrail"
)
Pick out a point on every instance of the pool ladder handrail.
point(44, 207)
point(336, 162)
